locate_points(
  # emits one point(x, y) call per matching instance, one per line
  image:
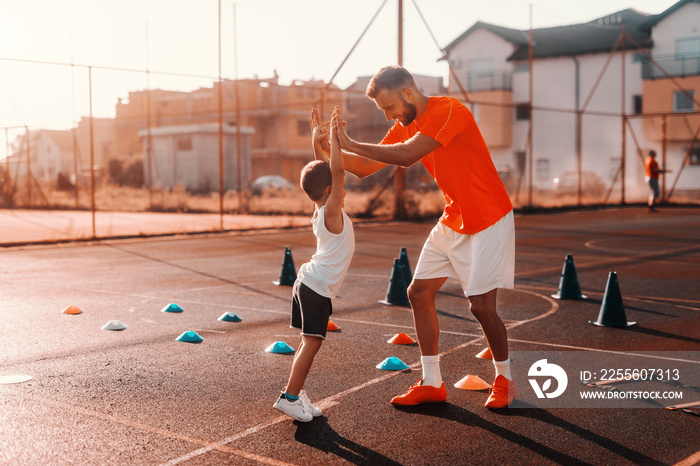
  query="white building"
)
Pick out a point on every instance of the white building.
point(586, 83)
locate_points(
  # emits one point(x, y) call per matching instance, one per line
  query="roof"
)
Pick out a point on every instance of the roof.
point(599, 35)
point(654, 20)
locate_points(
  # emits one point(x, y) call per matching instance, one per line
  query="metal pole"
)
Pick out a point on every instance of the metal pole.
point(400, 178)
point(532, 115)
point(29, 168)
point(664, 135)
point(92, 157)
point(239, 123)
point(624, 123)
point(149, 139)
point(221, 135)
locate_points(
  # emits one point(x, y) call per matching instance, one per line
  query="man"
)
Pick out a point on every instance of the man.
point(652, 171)
point(474, 241)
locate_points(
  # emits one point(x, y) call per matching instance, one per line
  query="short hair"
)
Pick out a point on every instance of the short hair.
point(652, 153)
point(315, 178)
point(390, 78)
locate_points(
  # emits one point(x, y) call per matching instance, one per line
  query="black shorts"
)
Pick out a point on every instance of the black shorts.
point(310, 311)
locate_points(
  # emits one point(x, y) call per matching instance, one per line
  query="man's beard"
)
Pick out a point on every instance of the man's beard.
point(409, 115)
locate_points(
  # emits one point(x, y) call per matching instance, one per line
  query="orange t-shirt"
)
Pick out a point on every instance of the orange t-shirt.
point(652, 168)
point(462, 167)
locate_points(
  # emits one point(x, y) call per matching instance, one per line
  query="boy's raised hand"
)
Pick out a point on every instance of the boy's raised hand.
point(319, 131)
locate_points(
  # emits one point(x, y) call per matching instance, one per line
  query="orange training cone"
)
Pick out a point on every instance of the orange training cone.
point(332, 327)
point(472, 382)
point(72, 310)
point(485, 354)
point(401, 339)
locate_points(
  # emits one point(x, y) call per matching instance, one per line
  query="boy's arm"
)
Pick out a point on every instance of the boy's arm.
point(334, 203)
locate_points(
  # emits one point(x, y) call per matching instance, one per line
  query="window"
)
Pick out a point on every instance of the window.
point(694, 159)
point(184, 143)
point(303, 128)
point(637, 104)
point(687, 46)
point(522, 111)
point(683, 101)
point(542, 169)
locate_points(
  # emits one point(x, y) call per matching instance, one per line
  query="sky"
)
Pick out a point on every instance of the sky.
point(297, 39)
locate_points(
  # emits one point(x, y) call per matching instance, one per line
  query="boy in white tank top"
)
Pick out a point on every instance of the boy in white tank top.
point(319, 279)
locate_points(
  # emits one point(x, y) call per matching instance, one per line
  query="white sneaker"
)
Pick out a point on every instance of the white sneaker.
point(308, 406)
point(293, 409)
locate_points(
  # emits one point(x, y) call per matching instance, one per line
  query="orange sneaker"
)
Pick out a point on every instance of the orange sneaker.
point(419, 394)
point(501, 394)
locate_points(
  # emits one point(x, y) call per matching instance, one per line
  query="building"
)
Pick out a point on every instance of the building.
point(279, 116)
point(188, 156)
point(588, 83)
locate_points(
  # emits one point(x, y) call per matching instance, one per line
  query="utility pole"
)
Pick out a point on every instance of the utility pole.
point(400, 177)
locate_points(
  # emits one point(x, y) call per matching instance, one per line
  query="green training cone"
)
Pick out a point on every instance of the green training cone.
point(229, 317)
point(612, 311)
point(397, 293)
point(392, 364)
point(568, 283)
point(172, 307)
point(407, 274)
point(190, 336)
point(279, 347)
point(288, 275)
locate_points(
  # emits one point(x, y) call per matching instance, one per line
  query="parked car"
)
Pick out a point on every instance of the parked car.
point(263, 183)
point(567, 184)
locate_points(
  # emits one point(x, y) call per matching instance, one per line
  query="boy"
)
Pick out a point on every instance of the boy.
point(319, 279)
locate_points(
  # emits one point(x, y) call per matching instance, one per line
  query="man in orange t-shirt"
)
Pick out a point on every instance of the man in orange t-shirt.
point(474, 241)
point(652, 171)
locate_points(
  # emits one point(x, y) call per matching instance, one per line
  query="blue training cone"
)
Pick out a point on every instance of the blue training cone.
point(190, 336)
point(392, 364)
point(279, 347)
point(403, 259)
point(172, 307)
point(229, 317)
point(569, 287)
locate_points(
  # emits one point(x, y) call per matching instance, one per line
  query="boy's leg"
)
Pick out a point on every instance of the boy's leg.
point(302, 363)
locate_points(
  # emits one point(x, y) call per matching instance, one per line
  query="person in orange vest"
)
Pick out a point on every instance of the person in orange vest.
point(652, 171)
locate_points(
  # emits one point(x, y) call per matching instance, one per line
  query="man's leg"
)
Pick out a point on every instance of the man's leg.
point(484, 309)
point(431, 388)
point(422, 294)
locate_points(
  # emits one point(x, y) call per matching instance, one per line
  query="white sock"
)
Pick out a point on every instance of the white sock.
point(431, 370)
point(503, 368)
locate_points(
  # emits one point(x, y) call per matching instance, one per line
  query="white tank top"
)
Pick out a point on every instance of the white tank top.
point(325, 272)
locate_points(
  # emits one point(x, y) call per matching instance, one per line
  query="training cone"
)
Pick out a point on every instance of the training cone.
point(401, 339)
point(403, 258)
point(279, 347)
point(190, 336)
point(332, 327)
point(612, 312)
point(485, 354)
point(73, 310)
point(172, 307)
point(472, 382)
point(569, 287)
point(114, 325)
point(392, 364)
point(397, 293)
point(289, 272)
point(229, 317)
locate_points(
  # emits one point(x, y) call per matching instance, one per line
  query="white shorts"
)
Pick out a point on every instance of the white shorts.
point(481, 262)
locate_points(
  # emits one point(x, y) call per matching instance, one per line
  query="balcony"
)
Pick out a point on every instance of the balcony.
point(677, 66)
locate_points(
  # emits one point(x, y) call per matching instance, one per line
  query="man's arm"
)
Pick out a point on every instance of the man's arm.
point(334, 203)
point(364, 159)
